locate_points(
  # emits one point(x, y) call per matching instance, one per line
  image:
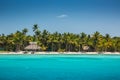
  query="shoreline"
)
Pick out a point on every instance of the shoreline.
point(23, 52)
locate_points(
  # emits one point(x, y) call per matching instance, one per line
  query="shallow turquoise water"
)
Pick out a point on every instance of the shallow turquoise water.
point(59, 67)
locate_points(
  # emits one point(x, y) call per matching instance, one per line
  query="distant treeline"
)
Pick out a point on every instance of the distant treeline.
point(60, 41)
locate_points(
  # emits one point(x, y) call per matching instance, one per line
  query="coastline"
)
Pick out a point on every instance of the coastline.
point(23, 52)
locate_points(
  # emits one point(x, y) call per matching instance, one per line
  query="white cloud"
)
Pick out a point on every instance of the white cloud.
point(62, 16)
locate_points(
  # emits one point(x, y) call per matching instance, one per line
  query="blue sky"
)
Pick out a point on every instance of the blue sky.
point(74, 16)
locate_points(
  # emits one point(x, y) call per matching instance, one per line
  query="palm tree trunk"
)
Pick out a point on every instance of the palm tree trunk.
point(79, 48)
point(52, 47)
point(69, 47)
point(66, 47)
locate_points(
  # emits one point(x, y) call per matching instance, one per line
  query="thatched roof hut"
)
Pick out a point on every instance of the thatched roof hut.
point(32, 46)
point(85, 48)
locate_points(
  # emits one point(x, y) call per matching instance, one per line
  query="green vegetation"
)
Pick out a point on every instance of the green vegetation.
point(59, 42)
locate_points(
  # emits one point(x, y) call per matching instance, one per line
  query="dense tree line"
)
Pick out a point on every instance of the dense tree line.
point(60, 41)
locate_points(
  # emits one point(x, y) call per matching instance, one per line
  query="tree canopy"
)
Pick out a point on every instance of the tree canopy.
point(60, 41)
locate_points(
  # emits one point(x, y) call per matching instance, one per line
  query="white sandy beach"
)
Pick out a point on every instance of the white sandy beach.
point(23, 52)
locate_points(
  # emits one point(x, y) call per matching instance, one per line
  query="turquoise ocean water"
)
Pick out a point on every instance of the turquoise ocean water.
point(59, 67)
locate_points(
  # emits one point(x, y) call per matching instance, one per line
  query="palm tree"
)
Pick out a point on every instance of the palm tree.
point(89, 42)
point(108, 43)
point(24, 31)
point(66, 38)
point(83, 38)
point(96, 37)
point(36, 31)
point(24, 38)
point(35, 27)
point(60, 42)
point(18, 40)
point(43, 39)
point(116, 43)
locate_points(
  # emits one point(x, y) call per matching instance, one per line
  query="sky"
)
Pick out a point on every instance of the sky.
point(74, 16)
